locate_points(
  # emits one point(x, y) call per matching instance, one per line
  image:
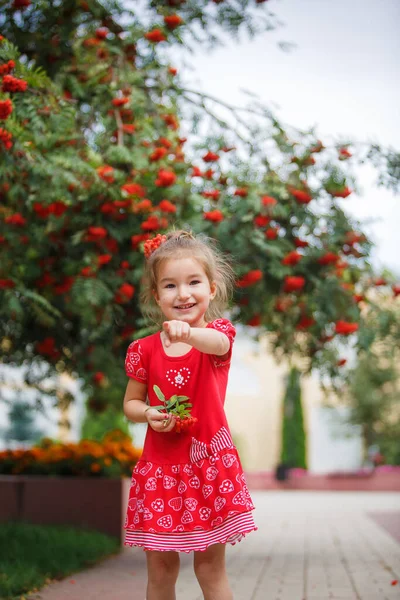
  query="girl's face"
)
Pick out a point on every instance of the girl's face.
point(184, 291)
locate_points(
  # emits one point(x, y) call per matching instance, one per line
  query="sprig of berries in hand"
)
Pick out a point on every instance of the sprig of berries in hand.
point(179, 407)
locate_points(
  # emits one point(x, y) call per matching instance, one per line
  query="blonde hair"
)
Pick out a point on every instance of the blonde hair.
point(184, 244)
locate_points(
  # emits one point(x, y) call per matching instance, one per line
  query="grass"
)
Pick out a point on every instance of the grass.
point(31, 555)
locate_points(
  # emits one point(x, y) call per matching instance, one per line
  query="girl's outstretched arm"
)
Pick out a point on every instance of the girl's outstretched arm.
point(209, 341)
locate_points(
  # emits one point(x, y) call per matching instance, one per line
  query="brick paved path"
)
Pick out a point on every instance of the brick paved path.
point(309, 546)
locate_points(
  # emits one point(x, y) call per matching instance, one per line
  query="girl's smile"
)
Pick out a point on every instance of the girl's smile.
point(184, 291)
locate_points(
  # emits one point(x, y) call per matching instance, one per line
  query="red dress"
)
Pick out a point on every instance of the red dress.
point(188, 490)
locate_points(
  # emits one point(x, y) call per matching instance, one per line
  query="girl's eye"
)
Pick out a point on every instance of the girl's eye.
point(169, 286)
point(195, 282)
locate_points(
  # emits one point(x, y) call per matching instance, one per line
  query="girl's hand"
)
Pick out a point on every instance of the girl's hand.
point(176, 331)
point(159, 421)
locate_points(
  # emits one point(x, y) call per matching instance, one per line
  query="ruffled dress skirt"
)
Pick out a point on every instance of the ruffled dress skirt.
point(189, 506)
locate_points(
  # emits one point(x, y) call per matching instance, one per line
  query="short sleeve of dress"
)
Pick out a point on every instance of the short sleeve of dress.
point(228, 329)
point(135, 361)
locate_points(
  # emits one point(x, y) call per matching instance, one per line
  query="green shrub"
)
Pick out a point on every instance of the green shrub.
point(293, 452)
point(30, 555)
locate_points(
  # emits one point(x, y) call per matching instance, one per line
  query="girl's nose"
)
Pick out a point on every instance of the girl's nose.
point(183, 292)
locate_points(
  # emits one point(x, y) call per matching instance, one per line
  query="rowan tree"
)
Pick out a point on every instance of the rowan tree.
point(94, 163)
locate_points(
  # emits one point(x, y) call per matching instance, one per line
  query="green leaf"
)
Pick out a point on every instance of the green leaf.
point(159, 393)
point(172, 401)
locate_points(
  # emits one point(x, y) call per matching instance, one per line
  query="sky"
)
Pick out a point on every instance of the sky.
point(342, 76)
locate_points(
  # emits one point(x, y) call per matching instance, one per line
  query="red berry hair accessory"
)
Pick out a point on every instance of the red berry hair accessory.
point(151, 245)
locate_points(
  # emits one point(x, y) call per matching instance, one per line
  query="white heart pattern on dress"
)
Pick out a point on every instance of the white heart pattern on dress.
point(176, 503)
point(194, 482)
point(204, 513)
point(147, 467)
point(186, 517)
point(207, 490)
point(182, 487)
point(219, 503)
point(141, 373)
point(191, 504)
point(226, 486)
point(188, 469)
point(211, 473)
point(169, 482)
point(228, 460)
point(178, 377)
point(147, 515)
point(151, 484)
point(132, 504)
point(158, 505)
point(239, 498)
point(165, 521)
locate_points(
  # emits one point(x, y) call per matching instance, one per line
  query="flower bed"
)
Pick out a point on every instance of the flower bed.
point(114, 456)
point(85, 485)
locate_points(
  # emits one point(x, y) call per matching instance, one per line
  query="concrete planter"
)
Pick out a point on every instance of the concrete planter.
point(83, 502)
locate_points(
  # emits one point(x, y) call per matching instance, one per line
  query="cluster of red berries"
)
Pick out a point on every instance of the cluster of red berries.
point(165, 178)
point(155, 36)
point(5, 138)
point(21, 4)
point(12, 84)
point(151, 245)
point(6, 68)
point(119, 101)
point(6, 109)
point(101, 33)
point(183, 424)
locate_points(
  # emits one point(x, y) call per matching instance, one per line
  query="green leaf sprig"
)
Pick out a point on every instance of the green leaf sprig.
point(176, 405)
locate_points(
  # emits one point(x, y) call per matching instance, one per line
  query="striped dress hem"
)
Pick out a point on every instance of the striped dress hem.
point(233, 530)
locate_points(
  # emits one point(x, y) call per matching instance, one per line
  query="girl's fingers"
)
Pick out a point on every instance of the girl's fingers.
point(158, 417)
point(175, 331)
point(167, 425)
point(170, 425)
point(162, 423)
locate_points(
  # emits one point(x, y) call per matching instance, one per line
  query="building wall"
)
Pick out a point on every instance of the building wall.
point(254, 406)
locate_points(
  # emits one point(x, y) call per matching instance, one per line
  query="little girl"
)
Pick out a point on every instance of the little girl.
point(188, 491)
